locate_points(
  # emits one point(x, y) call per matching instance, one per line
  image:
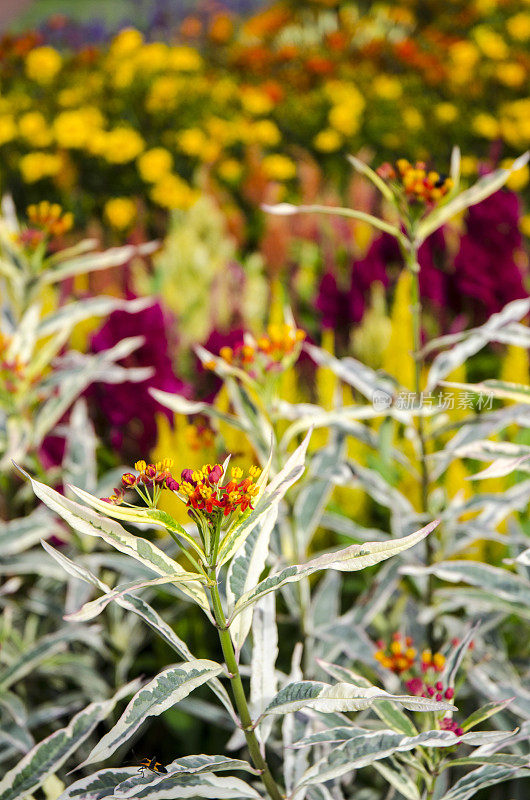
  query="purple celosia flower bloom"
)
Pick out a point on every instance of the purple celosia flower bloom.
point(126, 411)
point(332, 303)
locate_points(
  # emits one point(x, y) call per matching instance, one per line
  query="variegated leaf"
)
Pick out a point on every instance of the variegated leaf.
point(487, 775)
point(49, 755)
point(350, 559)
point(288, 210)
point(87, 521)
point(168, 787)
point(161, 693)
point(343, 697)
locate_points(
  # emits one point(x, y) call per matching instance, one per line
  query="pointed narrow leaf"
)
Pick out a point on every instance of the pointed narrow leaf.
point(50, 754)
point(286, 209)
point(350, 559)
point(100, 785)
point(87, 521)
point(483, 713)
point(488, 775)
point(343, 697)
point(161, 693)
point(168, 787)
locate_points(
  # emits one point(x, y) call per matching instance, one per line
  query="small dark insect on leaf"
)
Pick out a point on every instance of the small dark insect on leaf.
point(152, 765)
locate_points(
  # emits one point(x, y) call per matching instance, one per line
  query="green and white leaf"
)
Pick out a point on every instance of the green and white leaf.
point(100, 785)
point(166, 690)
point(351, 559)
point(168, 787)
point(343, 697)
point(263, 680)
point(487, 775)
point(49, 755)
point(86, 521)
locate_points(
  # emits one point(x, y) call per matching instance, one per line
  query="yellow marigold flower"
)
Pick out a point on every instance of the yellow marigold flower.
point(468, 165)
point(34, 128)
point(387, 87)
point(43, 64)
point(463, 56)
point(230, 170)
point(256, 101)
point(122, 145)
point(412, 118)
point(151, 57)
point(8, 129)
point(163, 93)
point(395, 648)
point(491, 43)
point(70, 129)
point(120, 212)
point(172, 192)
point(446, 112)
point(191, 141)
point(518, 179)
point(328, 140)
point(35, 166)
point(184, 59)
point(511, 74)
point(126, 42)
point(154, 164)
point(518, 26)
point(345, 118)
point(265, 132)
point(485, 125)
point(278, 167)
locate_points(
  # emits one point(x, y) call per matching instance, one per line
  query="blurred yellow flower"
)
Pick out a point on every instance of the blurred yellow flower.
point(412, 118)
point(126, 42)
point(120, 212)
point(154, 164)
point(265, 132)
point(518, 26)
point(34, 128)
point(524, 224)
point(446, 112)
point(345, 118)
point(511, 74)
point(35, 166)
point(8, 129)
point(163, 93)
point(151, 57)
point(468, 165)
point(73, 129)
point(463, 56)
point(490, 43)
point(184, 59)
point(278, 167)
point(485, 125)
point(191, 141)
point(328, 140)
point(398, 360)
point(387, 87)
point(43, 64)
point(518, 179)
point(255, 101)
point(172, 192)
point(230, 170)
point(122, 145)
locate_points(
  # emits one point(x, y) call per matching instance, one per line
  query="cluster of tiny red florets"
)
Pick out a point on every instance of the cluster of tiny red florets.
point(416, 181)
point(150, 476)
point(399, 656)
point(266, 352)
point(204, 492)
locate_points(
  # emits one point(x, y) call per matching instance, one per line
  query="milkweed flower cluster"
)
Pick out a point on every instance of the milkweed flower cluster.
point(416, 182)
point(201, 490)
point(400, 656)
point(273, 351)
point(47, 221)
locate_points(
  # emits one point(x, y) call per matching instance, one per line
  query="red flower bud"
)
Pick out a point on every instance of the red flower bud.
point(449, 693)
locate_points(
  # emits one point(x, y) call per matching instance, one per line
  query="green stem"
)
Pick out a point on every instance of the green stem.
point(239, 694)
point(411, 259)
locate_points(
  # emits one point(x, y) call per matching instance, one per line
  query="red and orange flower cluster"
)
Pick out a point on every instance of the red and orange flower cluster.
point(416, 181)
point(153, 477)
point(199, 489)
point(267, 352)
point(204, 493)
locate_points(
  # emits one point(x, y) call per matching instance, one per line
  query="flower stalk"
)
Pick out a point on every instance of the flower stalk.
point(247, 725)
